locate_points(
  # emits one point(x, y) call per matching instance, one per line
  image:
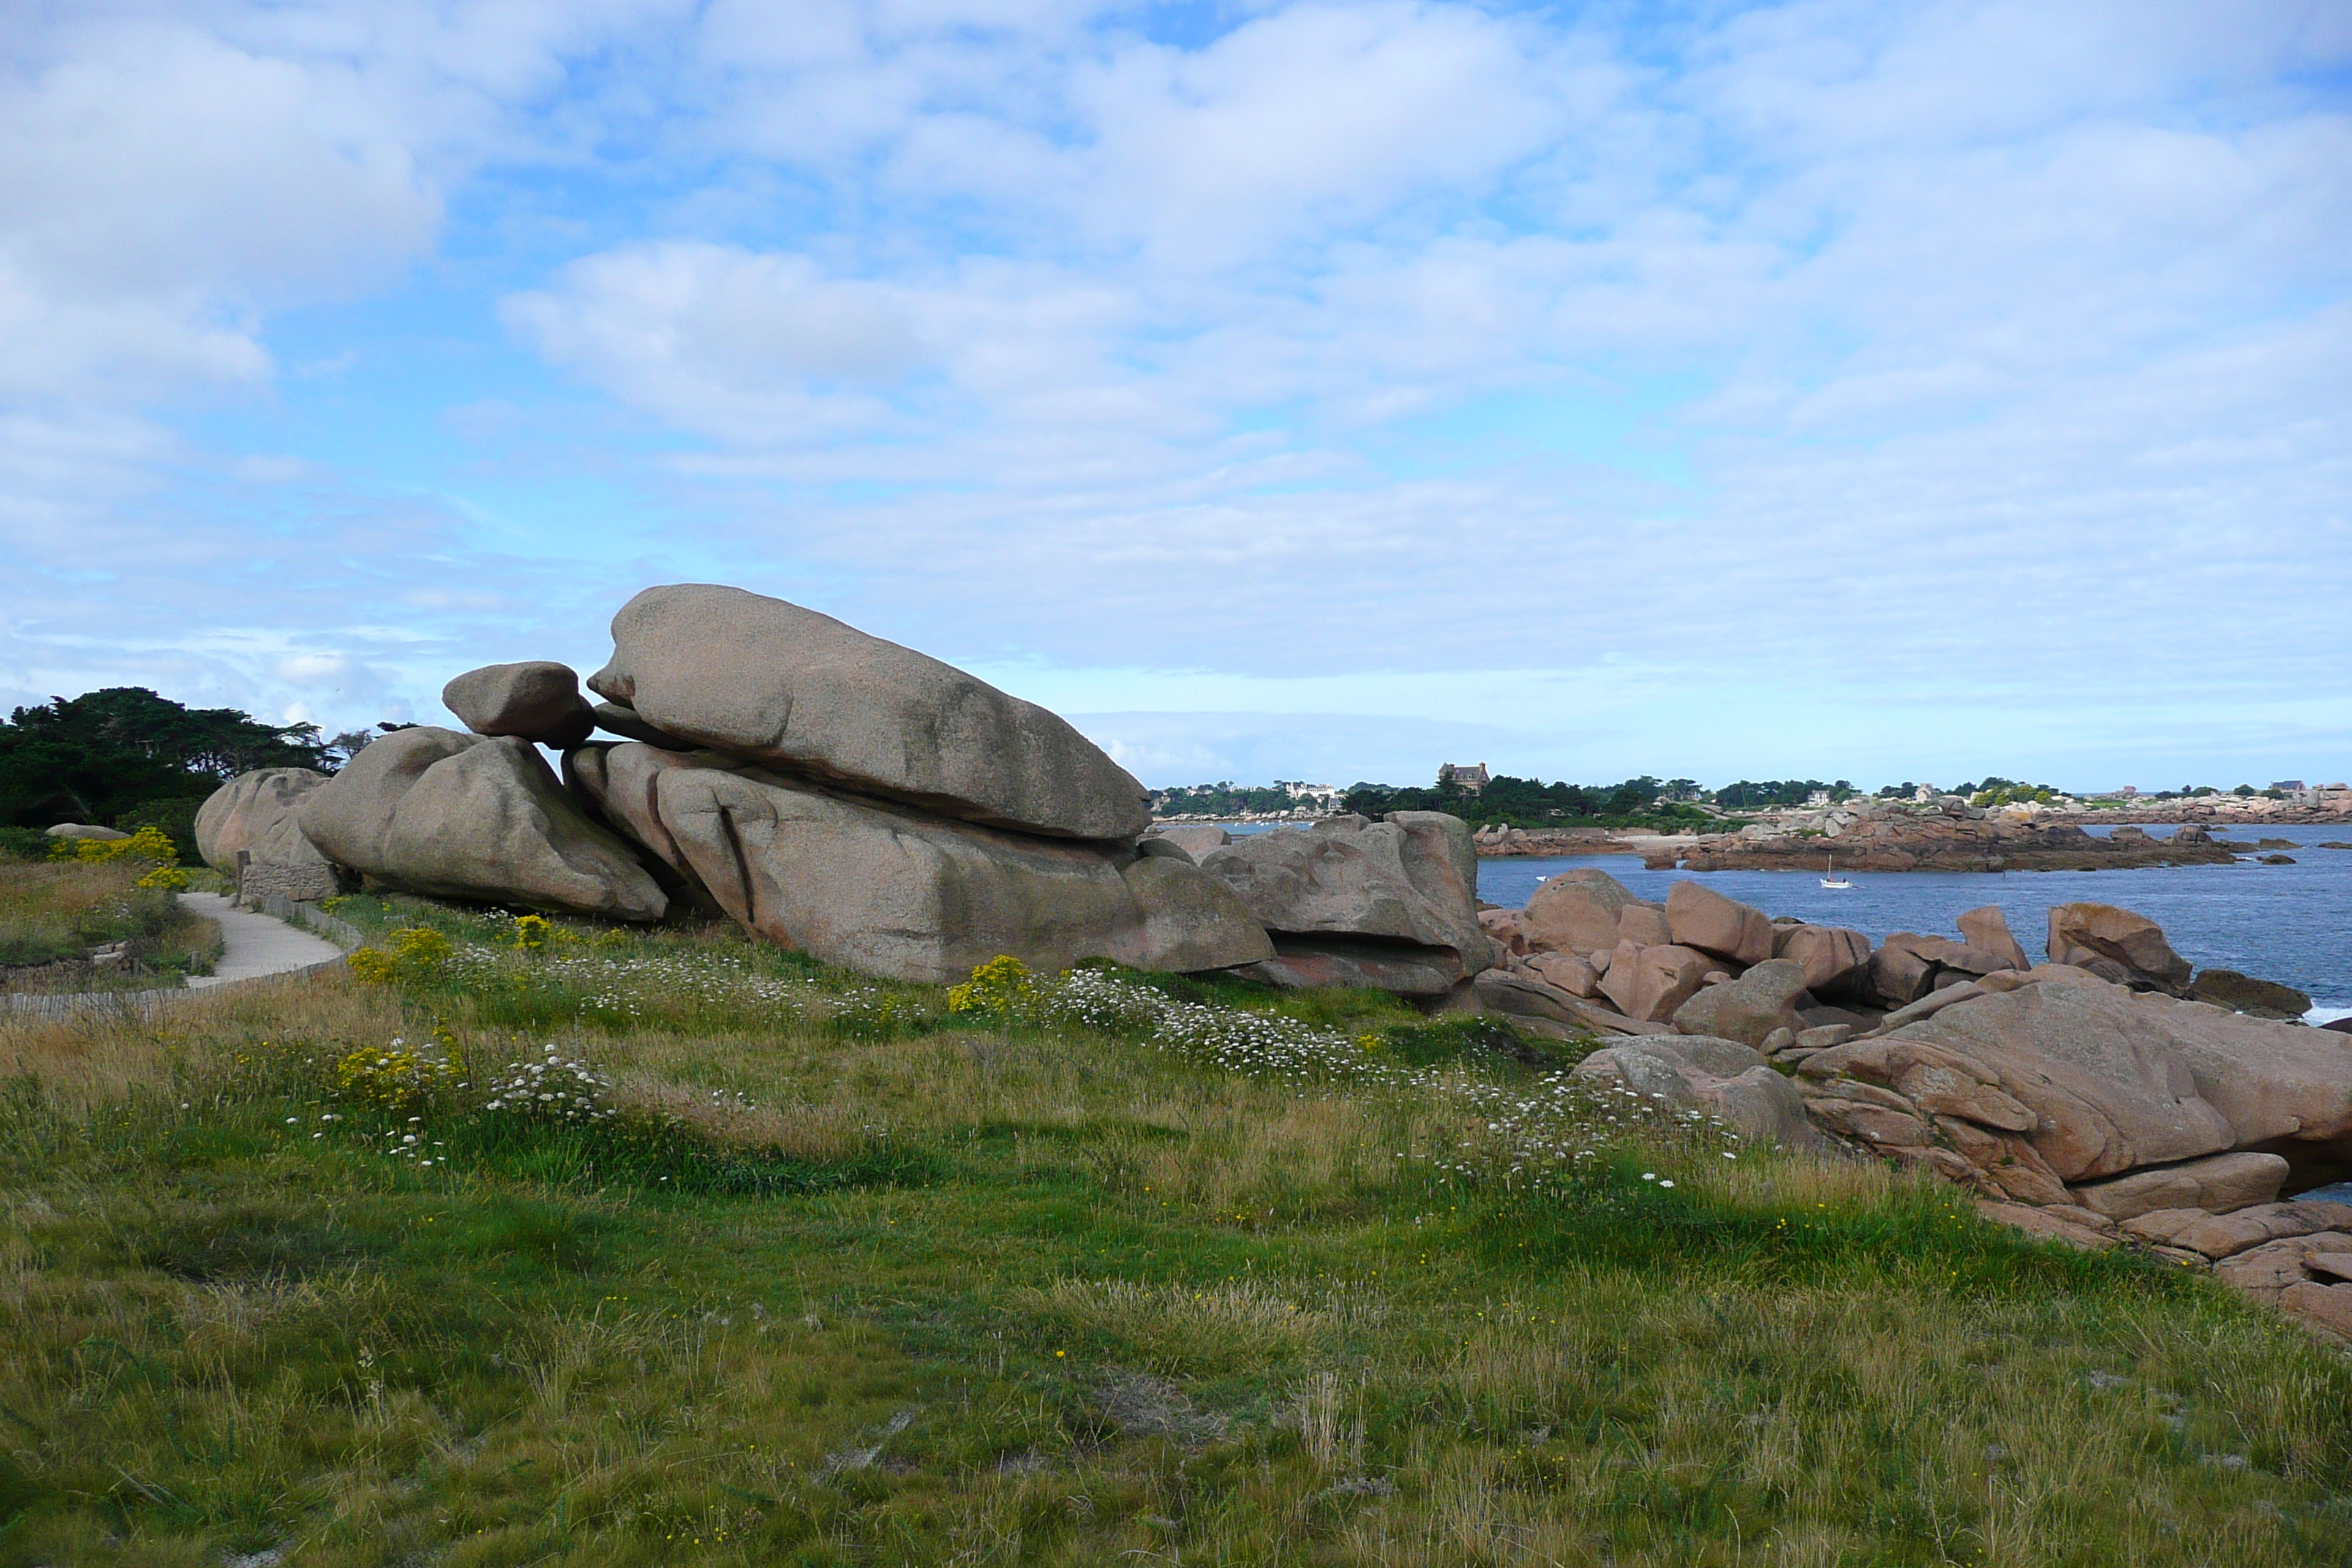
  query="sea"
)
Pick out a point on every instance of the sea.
point(2288, 923)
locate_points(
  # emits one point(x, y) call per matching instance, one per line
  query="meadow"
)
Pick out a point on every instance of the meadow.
point(530, 1243)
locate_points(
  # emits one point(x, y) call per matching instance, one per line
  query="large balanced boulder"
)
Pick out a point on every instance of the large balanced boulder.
point(433, 811)
point(2117, 944)
point(1391, 904)
point(538, 699)
point(797, 692)
point(257, 814)
point(892, 890)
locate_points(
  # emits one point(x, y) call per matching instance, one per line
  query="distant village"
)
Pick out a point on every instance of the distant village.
point(1472, 786)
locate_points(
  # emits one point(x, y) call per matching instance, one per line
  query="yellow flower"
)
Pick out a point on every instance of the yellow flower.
point(1000, 985)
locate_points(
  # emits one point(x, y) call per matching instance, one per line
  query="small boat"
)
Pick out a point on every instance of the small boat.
point(1834, 879)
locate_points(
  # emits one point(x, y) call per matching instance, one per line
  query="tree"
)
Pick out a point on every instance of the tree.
point(94, 757)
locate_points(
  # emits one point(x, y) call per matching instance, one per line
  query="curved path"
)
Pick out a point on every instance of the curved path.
point(254, 946)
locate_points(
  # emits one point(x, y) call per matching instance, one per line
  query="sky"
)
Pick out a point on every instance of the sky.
point(1827, 389)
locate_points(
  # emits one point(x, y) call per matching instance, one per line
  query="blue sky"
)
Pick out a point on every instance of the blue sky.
point(1852, 390)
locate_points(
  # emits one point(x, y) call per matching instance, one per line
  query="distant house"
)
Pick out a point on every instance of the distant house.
point(1469, 779)
point(2291, 787)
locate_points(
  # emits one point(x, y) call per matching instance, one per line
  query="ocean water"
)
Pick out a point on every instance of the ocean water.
point(2287, 923)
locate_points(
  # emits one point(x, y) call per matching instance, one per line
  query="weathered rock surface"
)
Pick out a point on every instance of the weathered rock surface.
point(537, 699)
point(2049, 1224)
point(787, 687)
point(1749, 1008)
point(1895, 976)
point(1644, 925)
point(1575, 912)
point(2117, 1080)
point(2244, 994)
point(1195, 839)
point(1986, 929)
point(2116, 944)
point(258, 814)
point(1570, 972)
point(2322, 1304)
point(1525, 996)
point(1702, 918)
point(892, 890)
point(1721, 1076)
point(2215, 1185)
point(617, 718)
point(1409, 882)
point(1833, 958)
point(1649, 983)
point(1506, 929)
point(1300, 962)
point(434, 811)
point(2268, 1271)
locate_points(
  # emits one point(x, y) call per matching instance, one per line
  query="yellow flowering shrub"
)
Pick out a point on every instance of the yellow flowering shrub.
point(1002, 985)
point(149, 843)
point(170, 878)
point(411, 951)
point(392, 1077)
point(531, 932)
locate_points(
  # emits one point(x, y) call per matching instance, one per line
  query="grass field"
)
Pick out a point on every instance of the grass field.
point(806, 1270)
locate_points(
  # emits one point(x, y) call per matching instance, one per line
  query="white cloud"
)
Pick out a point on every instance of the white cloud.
point(1879, 359)
point(158, 187)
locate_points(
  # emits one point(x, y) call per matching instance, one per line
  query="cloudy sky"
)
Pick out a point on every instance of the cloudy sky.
point(1282, 390)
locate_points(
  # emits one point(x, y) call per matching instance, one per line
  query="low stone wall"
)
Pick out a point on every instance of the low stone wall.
point(342, 933)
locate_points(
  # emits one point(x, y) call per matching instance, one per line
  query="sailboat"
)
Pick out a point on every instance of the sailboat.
point(1834, 879)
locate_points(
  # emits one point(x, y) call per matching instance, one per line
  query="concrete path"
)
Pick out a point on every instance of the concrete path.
point(253, 945)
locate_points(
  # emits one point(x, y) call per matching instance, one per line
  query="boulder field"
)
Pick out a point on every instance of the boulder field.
point(2109, 1094)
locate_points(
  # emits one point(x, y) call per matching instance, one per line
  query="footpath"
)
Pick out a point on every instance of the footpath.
point(255, 945)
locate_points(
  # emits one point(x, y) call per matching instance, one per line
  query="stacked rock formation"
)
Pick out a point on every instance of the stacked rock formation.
point(843, 795)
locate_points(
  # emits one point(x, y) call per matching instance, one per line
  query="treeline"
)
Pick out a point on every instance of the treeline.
point(1225, 799)
point(125, 757)
point(1750, 795)
point(1528, 802)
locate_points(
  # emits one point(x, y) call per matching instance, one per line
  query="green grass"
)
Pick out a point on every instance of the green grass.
point(840, 1283)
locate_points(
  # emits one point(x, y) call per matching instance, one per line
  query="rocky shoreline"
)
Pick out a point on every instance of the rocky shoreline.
point(2110, 1096)
point(1866, 834)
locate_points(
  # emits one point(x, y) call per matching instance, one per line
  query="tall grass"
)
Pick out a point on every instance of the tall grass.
point(926, 1288)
